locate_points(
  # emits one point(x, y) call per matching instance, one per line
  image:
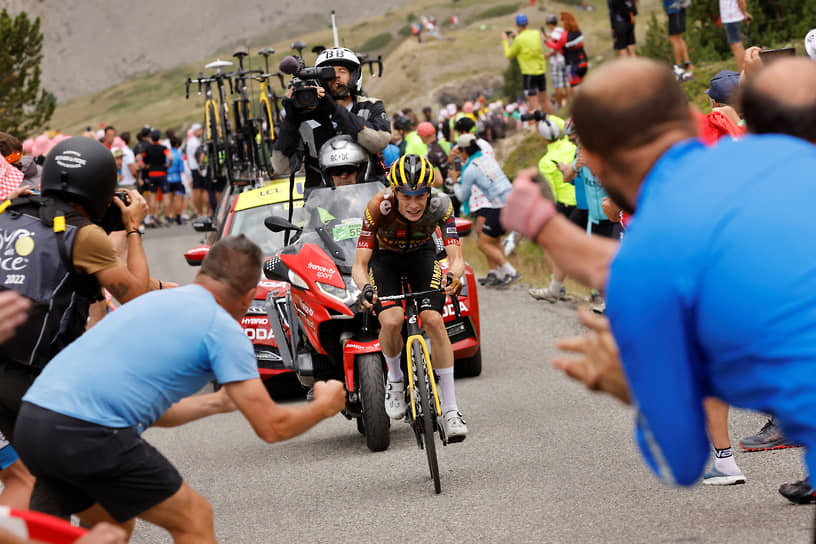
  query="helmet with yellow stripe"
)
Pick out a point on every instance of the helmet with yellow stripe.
point(411, 175)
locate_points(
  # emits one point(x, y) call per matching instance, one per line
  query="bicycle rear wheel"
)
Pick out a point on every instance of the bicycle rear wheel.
point(426, 406)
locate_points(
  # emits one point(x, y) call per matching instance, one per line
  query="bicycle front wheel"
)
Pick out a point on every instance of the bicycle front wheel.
point(423, 389)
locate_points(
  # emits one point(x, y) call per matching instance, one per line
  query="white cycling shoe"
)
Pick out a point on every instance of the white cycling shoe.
point(455, 427)
point(395, 405)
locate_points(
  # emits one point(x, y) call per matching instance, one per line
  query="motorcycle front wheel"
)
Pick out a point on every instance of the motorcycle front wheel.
point(371, 379)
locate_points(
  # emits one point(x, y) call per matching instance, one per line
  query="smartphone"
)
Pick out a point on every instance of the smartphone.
point(770, 55)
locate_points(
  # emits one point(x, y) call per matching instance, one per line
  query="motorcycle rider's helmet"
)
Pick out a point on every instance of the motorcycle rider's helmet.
point(411, 175)
point(343, 152)
point(549, 129)
point(81, 170)
point(341, 56)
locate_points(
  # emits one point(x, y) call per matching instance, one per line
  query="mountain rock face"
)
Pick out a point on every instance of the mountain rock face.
point(92, 44)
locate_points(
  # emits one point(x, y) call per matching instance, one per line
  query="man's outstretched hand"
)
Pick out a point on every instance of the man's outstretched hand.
point(598, 363)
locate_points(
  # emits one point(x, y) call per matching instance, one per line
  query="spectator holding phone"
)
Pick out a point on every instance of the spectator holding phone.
point(526, 46)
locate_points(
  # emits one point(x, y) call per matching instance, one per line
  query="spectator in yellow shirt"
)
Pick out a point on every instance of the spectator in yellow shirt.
point(526, 47)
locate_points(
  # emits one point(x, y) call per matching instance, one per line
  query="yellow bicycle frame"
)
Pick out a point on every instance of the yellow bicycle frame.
point(264, 102)
point(409, 344)
point(209, 122)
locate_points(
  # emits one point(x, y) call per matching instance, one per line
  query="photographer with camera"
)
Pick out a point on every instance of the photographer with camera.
point(57, 254)
point(325, 101)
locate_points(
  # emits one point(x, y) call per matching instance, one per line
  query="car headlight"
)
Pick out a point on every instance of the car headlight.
point(347, 295)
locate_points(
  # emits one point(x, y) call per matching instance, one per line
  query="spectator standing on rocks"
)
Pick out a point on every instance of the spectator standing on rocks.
point(526, 47)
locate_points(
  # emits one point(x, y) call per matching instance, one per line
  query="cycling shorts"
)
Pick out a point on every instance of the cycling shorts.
point(176, 187)
point(492, 226)
point(419, 267)
point(534, 84)
point(82, 463)
point(623, 34)
point(677, 22)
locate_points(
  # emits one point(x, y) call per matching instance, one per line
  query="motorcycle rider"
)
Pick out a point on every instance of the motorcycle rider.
point(343, 162)
point(61, 259)
point(342, 108)
point(396, 240)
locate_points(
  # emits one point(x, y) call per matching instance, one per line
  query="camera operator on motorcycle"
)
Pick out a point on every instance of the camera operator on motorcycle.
point(343, 162)
point(396, 240)
point(57, 254)
point(339, 107)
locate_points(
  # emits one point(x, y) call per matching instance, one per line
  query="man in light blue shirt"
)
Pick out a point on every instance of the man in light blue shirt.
point(80, 425)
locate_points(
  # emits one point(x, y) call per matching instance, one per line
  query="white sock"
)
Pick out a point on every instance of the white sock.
point(446, 389)
point(508, 269)
point(555, 286)
point(499, 272)
point(394, 371)
point(726, 464)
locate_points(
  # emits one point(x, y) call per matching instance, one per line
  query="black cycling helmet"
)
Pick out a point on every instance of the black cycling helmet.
point(81, 170)
point(411, 175)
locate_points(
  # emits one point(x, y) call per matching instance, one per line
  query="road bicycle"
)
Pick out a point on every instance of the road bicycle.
point(218, 154)
point(269, 108)
point(251, 161)
point(425, 416)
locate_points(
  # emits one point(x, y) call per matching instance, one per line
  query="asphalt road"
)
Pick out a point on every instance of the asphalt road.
point(546, 461)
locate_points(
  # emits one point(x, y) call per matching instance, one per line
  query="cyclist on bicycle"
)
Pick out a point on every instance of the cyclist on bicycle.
point(396, 240)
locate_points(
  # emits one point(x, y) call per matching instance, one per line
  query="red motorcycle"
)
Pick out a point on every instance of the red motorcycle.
point(321, 331)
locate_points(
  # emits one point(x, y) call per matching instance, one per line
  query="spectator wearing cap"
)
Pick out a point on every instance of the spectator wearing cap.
point(526, 47)
point(558, 68)
point(437, 153)
point(195, 155)
point(724, 120)
point(483, 173)
point(732, 14)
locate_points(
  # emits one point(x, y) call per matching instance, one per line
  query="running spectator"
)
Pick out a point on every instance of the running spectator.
point(196, 153)
point(413, 142)
point(676, 12)
point(80, 431)
point(526, 47)
point(732, 14)
point(62, 290)
point(484, 172)
point(622, 19)
point(571, 43)
point(558, 69)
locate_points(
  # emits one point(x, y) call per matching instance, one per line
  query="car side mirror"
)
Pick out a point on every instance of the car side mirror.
point(203, 224)
point(195, 256)
point(279, 224)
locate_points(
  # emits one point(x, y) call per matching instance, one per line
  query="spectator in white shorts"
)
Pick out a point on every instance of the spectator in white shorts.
point(558, 69)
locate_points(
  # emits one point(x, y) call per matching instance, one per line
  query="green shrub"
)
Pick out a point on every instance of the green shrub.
point(376, 42)
point(405, 30)
point(496, 11)
point(512, 88)
point(656, 45)
point(525, 155)
point(411, 17)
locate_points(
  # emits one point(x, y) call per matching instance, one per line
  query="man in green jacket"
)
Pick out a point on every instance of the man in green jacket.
point(526, 46)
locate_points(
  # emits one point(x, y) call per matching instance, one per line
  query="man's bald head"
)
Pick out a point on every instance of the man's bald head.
point(627, 103)
point(780, 99)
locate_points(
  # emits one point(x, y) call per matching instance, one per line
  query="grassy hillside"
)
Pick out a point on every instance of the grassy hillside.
point(412, 71)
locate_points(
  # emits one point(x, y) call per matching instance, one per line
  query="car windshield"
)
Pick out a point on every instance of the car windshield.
point(250, 223)
point(339, 212)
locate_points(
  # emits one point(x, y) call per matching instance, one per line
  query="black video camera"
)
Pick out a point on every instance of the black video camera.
point(537, 115)
point(305, 83)
point(112, 221)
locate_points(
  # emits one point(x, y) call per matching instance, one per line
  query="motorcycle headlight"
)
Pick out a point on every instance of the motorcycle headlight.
point(347, 295)
point(297, 281)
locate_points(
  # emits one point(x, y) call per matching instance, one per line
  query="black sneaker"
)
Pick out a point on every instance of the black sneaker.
point(770, 437)
point(798, 492)
point(508, 280)
point(490, 279)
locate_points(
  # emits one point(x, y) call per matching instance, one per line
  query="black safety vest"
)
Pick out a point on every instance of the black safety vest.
point(36, 246)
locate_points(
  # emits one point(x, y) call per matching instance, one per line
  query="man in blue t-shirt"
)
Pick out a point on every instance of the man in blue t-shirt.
point(689, 308)
point(79, 430)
